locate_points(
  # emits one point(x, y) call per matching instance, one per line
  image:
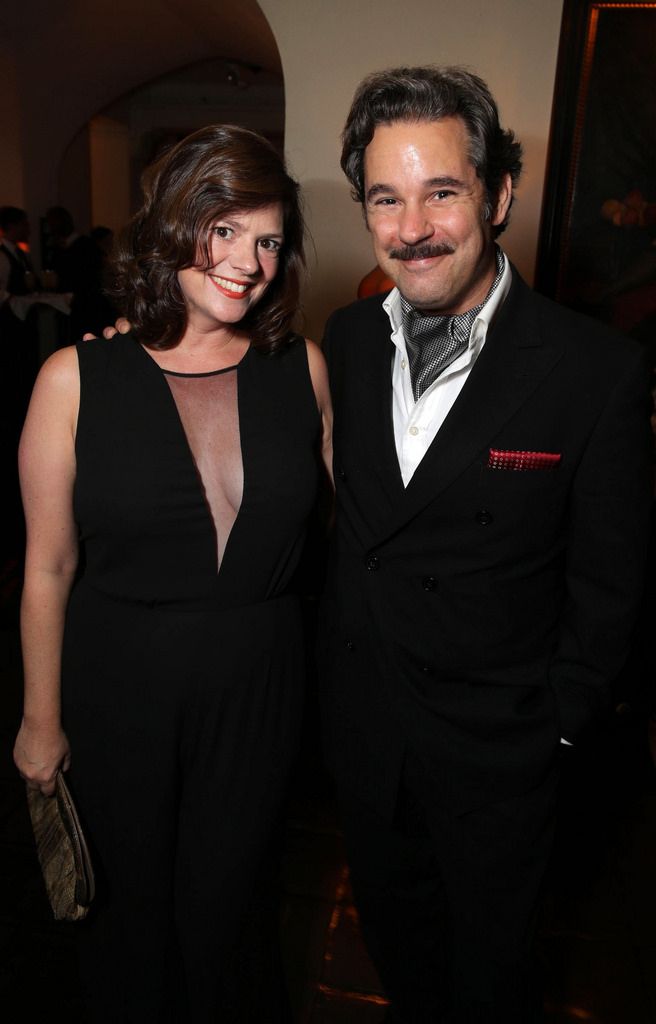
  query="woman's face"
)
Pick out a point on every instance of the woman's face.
point(244, 249)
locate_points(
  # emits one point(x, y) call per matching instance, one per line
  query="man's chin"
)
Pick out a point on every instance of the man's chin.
point(418, 281)
point(426, 299)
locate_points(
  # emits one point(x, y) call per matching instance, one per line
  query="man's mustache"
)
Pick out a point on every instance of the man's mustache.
point(421, 252)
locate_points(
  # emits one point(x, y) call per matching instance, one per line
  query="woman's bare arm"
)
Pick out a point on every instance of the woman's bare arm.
point(47, 472)
point(319, 375)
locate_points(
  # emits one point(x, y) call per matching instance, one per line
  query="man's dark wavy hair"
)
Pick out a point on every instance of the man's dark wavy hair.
point(430, 94)
point(218, 170)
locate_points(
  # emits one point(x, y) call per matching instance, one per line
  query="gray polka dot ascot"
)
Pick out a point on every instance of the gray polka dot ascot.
point(434, 342)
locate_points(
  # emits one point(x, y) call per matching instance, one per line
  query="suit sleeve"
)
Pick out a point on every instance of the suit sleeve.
point(608, 529)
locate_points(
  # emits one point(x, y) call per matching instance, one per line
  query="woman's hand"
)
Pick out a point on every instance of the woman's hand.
point(38, 754)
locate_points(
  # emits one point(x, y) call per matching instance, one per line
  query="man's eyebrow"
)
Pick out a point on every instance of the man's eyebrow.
point(442, 181)
point(445, 180)
point(378, 189)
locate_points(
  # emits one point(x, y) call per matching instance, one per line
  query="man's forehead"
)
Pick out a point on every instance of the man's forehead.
point(433, 143)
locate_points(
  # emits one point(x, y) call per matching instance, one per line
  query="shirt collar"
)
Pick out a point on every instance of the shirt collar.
point(392, 306)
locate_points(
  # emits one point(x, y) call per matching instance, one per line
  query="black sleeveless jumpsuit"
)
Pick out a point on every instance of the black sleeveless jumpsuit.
point(182, 683)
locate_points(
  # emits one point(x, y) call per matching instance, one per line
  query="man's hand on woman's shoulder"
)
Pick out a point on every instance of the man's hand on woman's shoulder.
point(122, 326)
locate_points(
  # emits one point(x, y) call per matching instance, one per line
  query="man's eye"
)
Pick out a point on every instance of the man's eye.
point(386, 201)
point(444, 193)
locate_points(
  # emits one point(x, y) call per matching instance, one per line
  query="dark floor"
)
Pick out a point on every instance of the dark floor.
point(598, 940)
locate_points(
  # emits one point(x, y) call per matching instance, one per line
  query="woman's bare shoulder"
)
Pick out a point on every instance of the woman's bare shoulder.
point(56, 394)
point(61, 369)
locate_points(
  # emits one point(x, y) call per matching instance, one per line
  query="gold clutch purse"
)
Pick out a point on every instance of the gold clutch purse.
point(62, 851)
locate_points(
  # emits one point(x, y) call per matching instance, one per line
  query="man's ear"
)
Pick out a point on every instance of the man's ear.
point(504, 199)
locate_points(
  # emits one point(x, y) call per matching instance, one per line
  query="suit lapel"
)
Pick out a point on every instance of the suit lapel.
point(513, 363)
point(375, 408)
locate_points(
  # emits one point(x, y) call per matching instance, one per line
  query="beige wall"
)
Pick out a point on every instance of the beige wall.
point(327, 46)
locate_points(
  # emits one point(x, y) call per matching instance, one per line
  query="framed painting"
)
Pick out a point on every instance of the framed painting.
point(597, 248)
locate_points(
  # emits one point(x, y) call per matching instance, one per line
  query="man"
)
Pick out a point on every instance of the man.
point(16, 274)
point(492, 465)
point(77, 261)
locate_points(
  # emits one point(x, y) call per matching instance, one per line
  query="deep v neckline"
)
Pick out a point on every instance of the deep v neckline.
point(221, 547)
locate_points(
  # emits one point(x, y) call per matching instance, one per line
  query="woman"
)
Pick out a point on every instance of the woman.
point(182, 461)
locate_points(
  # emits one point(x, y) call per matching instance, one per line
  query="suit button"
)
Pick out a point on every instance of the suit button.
point(372, 563)
point(340, 473)
point(484, 518)
point(350, 646)
point(429, 583)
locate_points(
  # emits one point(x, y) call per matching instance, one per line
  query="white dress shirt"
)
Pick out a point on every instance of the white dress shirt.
point(417, 423)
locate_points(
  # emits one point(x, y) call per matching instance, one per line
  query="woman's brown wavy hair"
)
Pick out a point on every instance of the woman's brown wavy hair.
point(218, 170)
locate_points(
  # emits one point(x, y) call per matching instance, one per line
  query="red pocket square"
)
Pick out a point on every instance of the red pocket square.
point(501, 459)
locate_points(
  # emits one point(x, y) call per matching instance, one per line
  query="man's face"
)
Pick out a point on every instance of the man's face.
point(424, 206)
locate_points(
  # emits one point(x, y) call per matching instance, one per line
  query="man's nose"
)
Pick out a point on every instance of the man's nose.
point(414, 225)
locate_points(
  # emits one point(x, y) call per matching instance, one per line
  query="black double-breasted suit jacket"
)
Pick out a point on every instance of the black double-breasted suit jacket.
point(478, 615)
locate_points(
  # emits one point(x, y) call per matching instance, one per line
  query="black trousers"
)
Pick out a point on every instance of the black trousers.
point(180, 774)
point(448, 903)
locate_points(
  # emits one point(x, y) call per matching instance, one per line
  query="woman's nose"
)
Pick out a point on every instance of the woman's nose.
point(245, 258)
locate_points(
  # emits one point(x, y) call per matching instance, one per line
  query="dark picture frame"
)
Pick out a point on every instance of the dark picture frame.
point(597, 245)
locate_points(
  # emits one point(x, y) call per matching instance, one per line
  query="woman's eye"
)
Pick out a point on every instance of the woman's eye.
point(221, 231)
point(270, 244)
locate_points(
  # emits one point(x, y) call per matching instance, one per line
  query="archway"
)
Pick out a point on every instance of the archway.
point(100, 170)
point(71, 63)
